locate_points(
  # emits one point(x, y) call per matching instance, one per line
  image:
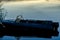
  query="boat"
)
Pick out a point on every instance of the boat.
point(31, 28)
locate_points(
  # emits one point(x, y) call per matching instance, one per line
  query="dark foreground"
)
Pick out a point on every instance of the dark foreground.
point(31, 28)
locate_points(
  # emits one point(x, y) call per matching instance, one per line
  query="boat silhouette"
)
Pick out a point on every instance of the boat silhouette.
point(30, 28)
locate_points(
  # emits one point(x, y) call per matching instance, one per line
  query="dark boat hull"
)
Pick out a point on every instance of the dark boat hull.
point(30, 28)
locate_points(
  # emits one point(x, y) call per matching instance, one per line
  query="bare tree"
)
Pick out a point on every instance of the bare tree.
point(0, 10)
point(2, 14)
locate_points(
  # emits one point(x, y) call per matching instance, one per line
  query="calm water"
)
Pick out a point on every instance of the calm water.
point(33, 10)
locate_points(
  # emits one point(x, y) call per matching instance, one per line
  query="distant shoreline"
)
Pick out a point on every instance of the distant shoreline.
point(30, 0)
point(57, 2)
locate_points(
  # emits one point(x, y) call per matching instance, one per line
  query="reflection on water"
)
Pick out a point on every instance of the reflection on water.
point(40, 11)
